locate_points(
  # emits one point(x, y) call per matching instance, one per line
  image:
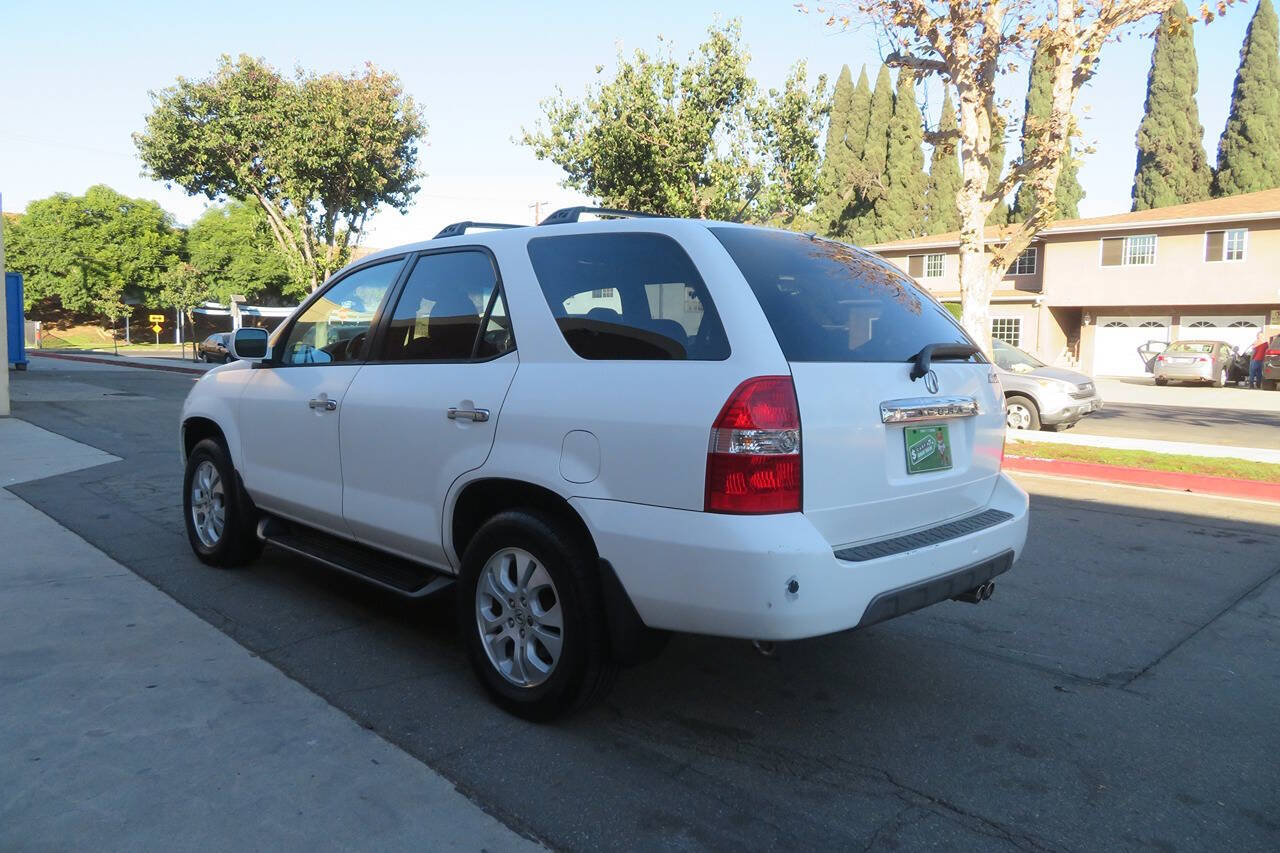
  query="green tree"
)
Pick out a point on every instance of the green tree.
point(232, 249)
point(941, 214)
point(863, 226)
point(1172, 166)
point(900, 210)
point(661, 135)
point(87, 253)
point(319, 153)
point(1035, 117)
point(788, 123)
point(1249, 150)
point(842, 154)
point(999, 214)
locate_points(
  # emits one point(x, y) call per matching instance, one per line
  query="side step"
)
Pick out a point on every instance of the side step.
point(401, 576)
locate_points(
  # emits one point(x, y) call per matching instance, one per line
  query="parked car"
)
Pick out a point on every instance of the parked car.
point(1197, 361)
point(1037, 396)
point(216, 348)
point(1271, 365)
point(600, 432)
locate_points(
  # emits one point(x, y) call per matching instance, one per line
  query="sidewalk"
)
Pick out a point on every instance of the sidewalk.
point(1217, 451)
point(129, 723)
point(154, 362)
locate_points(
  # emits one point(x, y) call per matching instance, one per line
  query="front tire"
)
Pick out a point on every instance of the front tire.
point(220, 518)
point(532, 617)
point(1161, 381)
point(1021, 413)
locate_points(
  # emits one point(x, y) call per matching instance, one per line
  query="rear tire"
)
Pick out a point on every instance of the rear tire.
point(1021, 413)
point(532, 617)
point(220, 517)
point(1161, 381)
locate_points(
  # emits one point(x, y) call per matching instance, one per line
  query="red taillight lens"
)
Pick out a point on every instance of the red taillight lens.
point(1159, 358)
point(753, 461)
point(1203, 359)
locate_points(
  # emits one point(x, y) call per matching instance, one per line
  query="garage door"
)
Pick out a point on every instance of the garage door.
point(1116, 341)
point(1239, 331)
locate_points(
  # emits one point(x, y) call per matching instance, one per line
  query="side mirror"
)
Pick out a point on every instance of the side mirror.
point(250, 344)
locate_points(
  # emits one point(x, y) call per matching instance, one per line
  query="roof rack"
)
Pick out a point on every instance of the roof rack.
point(457, 229)
point(571, 214)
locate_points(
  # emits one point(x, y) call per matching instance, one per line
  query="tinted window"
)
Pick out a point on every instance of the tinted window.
point(440, 310)
point(335, 327)
point(628, 296)
point(830, 302)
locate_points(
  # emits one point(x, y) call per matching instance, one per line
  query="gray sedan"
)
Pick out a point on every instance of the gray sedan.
point(1195, 361)
point(1039, 396)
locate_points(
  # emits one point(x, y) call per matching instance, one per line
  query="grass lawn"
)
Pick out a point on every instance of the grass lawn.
point(1240, 469)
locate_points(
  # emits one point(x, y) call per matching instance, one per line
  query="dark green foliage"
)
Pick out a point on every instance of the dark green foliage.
point(1036, 111)
point(941, 214)
point(1172, 165)
point(846, 137)
point(1000, 213)
point(1249, 151)
point(863, 227)
point(232, 249)
point(787, 123)
point(900, 210)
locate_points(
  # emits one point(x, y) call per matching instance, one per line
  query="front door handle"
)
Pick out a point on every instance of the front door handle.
point(323, 403)
point(475, 415)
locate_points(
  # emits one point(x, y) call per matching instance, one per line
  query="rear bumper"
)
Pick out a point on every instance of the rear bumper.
point(1188, 373)
point(774, 577)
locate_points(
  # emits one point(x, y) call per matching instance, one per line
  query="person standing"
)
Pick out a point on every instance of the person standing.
point(1259, 347)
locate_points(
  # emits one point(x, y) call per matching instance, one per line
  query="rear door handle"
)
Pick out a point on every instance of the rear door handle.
point(323, 403)
point(476, 415)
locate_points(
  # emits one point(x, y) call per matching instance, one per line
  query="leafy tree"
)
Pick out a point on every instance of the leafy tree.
point(944, 175)
point(864, 225)
point(788, 123)
point(900, 210)
point(231, 247)
point(1172, 166)
point(182, 286)
point(89, 252)
point(1249, 150)
point(1068, 192)
point(842, 154)
point(318, 153)
point(999, 214)
point(662, 135)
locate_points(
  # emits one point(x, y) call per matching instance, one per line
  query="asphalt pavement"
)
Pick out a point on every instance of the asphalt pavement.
point(1117, 692)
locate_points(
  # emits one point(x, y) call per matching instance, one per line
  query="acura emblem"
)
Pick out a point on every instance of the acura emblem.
point(931, 382)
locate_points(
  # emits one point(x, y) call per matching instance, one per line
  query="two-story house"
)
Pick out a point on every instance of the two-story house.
point(1090, 292)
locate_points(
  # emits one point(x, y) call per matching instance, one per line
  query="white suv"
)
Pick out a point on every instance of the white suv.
point(603, 431)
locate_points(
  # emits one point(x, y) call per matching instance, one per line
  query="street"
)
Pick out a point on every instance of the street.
point(1117, 692)
point(1230, 427)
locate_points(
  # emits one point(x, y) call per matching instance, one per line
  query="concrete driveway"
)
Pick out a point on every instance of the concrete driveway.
point(1142, 390)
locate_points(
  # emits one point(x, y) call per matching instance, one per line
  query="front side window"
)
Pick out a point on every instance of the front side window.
point(1007, 329)
point(447, 299)
point(926, 266)
point(335, 328)
point(829, 302)
point(629, 296)
point(1129, 251)
point(1025, 263)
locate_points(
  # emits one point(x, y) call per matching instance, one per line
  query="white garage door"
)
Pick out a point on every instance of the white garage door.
point(1239, 331)
point(1116, 341)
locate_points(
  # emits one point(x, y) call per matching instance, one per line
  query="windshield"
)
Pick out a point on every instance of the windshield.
point(1012, 359)
point(828, 302)
point(1189, 346)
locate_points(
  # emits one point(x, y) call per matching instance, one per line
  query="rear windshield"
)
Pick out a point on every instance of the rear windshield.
point(830, 302)
point(633, 296)
point(1193, 347)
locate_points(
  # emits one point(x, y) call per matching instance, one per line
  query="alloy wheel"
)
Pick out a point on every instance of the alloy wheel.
point(519, 617)
point(208, 504)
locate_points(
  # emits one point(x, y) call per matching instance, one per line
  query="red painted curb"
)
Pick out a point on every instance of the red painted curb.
point(1200, 483)
point(120, 362)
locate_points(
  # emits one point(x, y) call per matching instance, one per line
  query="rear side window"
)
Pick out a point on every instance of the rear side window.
point(830, 302)
point(628, 296)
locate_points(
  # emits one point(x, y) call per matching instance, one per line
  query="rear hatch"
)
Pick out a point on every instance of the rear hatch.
point(883, 453)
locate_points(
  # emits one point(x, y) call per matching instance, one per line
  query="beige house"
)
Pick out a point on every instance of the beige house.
point(1089, 292)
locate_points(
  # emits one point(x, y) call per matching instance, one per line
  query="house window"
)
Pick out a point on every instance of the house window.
point(1225, 245)
point(1129, 251)
point(926, 266)
point(1025, 263)
point(1007, 329)
point(602, 293)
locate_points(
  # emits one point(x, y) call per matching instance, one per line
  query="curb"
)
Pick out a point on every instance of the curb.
point(119, 362)
point(1206, 484)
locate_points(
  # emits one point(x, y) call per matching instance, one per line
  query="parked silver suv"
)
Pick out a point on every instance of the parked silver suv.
point(1039, 396)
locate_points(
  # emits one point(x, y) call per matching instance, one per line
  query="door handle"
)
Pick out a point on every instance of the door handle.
point(475, 415)
point(323, 403)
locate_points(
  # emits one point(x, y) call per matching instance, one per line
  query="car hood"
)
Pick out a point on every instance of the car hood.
point(1060, 373)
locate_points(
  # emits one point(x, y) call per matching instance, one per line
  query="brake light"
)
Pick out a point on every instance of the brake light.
point(1202, 359)
point(753, 459)
point(1159, 358)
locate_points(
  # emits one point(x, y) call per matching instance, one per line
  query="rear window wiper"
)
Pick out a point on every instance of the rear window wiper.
point(922, 359)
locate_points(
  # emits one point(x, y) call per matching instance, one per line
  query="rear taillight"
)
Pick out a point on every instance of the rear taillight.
point(753, 460)
point(1159, 358)
point(1203, 359)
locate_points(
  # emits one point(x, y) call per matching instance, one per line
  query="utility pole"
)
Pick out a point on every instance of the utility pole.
point(536, 207)
point(4, 325)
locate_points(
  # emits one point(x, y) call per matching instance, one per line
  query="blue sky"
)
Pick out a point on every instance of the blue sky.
point(78, 75)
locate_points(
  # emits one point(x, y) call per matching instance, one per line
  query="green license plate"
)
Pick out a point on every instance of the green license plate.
point(928, 448)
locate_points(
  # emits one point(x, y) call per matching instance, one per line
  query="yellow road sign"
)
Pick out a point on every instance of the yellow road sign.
point(156, 328)
point(156, 318)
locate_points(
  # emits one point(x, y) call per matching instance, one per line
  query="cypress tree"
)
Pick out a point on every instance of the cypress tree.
point(1172, 166)
point(859, 114)
point(944, 177)
point(863, 226)
point(900, 211)
point(1000, 213)
point(846, 137)
point(1249, 151)
point(1067, 193)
